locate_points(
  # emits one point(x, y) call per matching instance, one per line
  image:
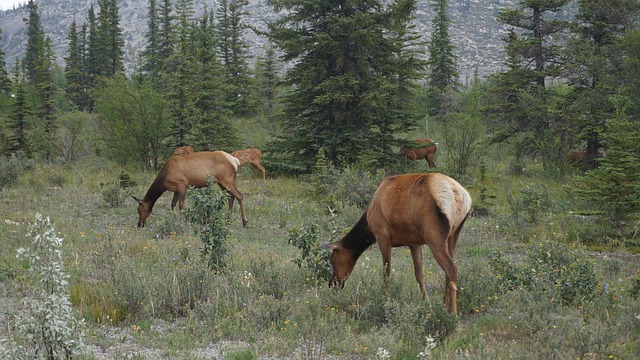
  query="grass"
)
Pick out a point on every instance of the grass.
point(147, 293)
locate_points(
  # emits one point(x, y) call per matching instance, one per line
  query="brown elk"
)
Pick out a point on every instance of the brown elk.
point(251, 156)
point(408, 210)
point(192, 169)
point(183, 150)
point(423, 149)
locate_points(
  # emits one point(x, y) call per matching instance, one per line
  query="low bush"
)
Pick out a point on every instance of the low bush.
point(563, 274)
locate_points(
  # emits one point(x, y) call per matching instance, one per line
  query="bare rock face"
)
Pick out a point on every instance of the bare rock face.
point(475, 32)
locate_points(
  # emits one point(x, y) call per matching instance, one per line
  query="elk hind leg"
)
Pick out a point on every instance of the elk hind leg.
point(445, 260)
point(416, 255)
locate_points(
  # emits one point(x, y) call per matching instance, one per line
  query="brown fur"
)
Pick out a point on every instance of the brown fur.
point(428, 153)
point(408, 210)
point(192, 169)
point(183, 150)
point(251, 156)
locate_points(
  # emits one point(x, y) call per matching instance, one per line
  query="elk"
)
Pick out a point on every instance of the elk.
point(183, 150)
point(251, 156)
point(194, 169)
point(408, 210)
point(423, 149)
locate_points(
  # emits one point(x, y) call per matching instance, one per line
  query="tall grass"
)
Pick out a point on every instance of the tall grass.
point(151, 287)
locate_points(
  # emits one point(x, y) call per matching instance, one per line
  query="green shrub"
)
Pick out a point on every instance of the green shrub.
point(415, 322)
point(209, 216)
point(352, 185)
point(11, 168)
point(563, 274)
point(312, 258)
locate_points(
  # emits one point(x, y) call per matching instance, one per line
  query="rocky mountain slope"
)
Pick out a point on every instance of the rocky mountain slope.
point(474, 30)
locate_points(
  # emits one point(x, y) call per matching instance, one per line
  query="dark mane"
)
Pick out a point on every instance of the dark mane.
point(359, 238)
point(156, 189)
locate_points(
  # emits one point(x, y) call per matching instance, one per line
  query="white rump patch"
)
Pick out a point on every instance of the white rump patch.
point(453, 200)
point(233, 160)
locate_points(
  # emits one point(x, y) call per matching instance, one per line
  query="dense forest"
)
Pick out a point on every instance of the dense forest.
point(361, 80)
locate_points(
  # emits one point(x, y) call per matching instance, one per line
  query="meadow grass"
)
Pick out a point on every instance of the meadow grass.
point(149, 288)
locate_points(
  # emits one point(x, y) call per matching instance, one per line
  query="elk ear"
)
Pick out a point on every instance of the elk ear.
point(330, 246)
point(136, 199)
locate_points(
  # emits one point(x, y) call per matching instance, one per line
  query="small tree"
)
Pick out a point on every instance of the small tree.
point(48, 327)
point(614, 187)
point(210, 218)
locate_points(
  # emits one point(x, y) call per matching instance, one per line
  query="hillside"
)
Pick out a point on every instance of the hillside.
point(474, 29)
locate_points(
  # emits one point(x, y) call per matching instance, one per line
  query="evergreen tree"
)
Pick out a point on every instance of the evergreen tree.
point(111, 35)
point(93, 52)
point(342, 78)
point(214, 129)
point(35, 42)
point(74, 68)
point(593, 62)
point(536, 27)
point(443, 75)
point(153, 62)
point(178, 77)
point(613, 188)
point(39, 61)
point(19, 124)
point(5, 82)
point(166, 31)
point(268, 80)
point(234, 56)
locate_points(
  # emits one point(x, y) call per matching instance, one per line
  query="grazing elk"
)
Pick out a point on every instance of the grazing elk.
point(251, 156)
point(408, 210)
point(183, 150)
point(192, 169)
point(423, 149)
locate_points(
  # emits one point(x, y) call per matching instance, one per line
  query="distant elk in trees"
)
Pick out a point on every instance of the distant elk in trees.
point(421, 149)
point(183, 150)
point(251, 156)
point(579, 158)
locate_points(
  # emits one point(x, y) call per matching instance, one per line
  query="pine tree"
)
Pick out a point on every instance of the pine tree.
point(20, 119)
point(268, 80)
point(214, 129)
point(153, 62)
point(5, 82)
point(178, 77)
point(533, 41)
point(443, 75)
point(342, 78)
point(593, 62)
point(112, 35)
point(40, 60)
point(233, 51)
point(74, 68)
point(166, 31)
point(35, 42)
point(613, 189)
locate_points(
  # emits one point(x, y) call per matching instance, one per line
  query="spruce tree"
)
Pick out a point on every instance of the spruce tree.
point(74, 68)
point(153, 62)
point(268, 81)
point(233, 51)
point(177, 79)
point(613, 189)
point(20, 118)
point(593, 62)
point(443, 74)
point(5, 82)
point(214, 129)
point(342, 78)
point(35, 42)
